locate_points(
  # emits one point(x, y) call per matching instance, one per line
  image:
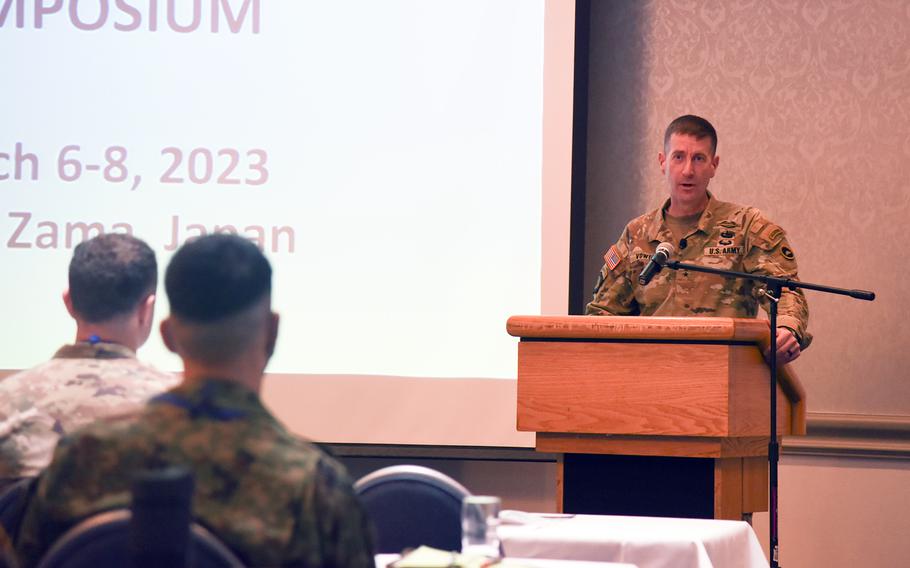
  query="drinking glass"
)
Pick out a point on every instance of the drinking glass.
point(479, 523)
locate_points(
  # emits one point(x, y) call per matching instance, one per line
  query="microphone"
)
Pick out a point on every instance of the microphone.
point(660, 258)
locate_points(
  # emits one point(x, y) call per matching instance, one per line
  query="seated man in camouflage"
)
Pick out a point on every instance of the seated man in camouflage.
point(111, 295)
point(273, 498)
point(703, 230)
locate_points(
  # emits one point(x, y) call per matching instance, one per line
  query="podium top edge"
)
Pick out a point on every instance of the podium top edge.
point(638, 327)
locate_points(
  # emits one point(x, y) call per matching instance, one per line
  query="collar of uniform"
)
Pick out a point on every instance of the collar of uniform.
point(659, 231)
point(99, 350)
point(706, 221)
point(228, 397)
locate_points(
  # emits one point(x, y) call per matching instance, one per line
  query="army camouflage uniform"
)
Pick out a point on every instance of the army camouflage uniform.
point(81, 383)
point(728, 237)
point(273, 498)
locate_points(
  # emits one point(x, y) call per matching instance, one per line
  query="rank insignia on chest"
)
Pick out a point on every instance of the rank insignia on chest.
point(612, 258)
point(723, 251)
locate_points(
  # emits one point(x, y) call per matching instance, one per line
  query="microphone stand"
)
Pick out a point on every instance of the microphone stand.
point(772, 290)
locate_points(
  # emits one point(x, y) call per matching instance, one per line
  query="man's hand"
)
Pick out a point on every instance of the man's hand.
point(787, 346)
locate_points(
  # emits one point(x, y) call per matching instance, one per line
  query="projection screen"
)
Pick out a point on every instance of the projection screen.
point(403, 164)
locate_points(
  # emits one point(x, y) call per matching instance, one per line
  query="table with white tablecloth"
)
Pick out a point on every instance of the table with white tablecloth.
point(647, 542)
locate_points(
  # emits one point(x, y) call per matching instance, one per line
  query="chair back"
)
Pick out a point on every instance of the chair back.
point(104, 540)
point(13, 502)
point(411, 506)
point(162, 512)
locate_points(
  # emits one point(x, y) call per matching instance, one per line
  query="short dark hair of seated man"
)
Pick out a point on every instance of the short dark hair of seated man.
point(273, 498)
point(109, 275)
point(111, 296)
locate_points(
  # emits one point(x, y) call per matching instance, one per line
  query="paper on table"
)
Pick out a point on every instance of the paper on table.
point(513, 517)
point(427, 557)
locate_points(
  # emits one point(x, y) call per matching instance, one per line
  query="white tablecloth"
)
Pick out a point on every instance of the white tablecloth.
point(383, 560)
point(647, 542)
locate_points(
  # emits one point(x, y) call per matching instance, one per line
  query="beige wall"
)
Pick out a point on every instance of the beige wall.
point(811, 100)
point(842, 513)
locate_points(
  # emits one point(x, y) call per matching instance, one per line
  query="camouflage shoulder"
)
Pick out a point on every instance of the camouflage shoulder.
point(109, 425)
point(334, 474)
point(21, 378)
point(300, 457)
point(19, 391)
point(9, 389)
point(729, 212)
point(632, 231)
point(13, 377)
point(308, 451)
point(641, 223)
point(763, 232)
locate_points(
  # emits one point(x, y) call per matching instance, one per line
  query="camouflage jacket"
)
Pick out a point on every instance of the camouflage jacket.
point(728, 237)
point(273, 498)
point(80, 384)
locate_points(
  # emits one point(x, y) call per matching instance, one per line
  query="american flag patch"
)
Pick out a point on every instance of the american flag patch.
point(611, 257)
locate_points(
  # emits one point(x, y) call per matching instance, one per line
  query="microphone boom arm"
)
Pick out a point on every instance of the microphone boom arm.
point(772, 281)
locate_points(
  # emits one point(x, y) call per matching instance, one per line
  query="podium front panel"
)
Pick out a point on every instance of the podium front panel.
point(704, 389)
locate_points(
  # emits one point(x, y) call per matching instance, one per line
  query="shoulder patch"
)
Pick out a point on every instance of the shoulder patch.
point(765, 234)
point(612, 258)
point(757, 225)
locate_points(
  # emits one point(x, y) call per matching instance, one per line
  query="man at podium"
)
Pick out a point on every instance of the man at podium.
point(703, 230)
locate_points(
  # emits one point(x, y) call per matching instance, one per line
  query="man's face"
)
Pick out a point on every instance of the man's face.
point(688, 165)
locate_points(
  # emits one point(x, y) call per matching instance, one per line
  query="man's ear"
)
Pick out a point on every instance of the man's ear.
point(147, 310)
point(167, 335)
point(662, 162)
point(272, 338)
point(68, 302)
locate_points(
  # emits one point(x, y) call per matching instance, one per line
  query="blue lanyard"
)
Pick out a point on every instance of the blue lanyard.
point(204, 408)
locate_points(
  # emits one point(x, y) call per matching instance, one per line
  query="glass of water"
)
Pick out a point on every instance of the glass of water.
point(479, 524)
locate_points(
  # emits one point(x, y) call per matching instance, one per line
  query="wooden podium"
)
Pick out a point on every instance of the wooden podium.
point(687, 396)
